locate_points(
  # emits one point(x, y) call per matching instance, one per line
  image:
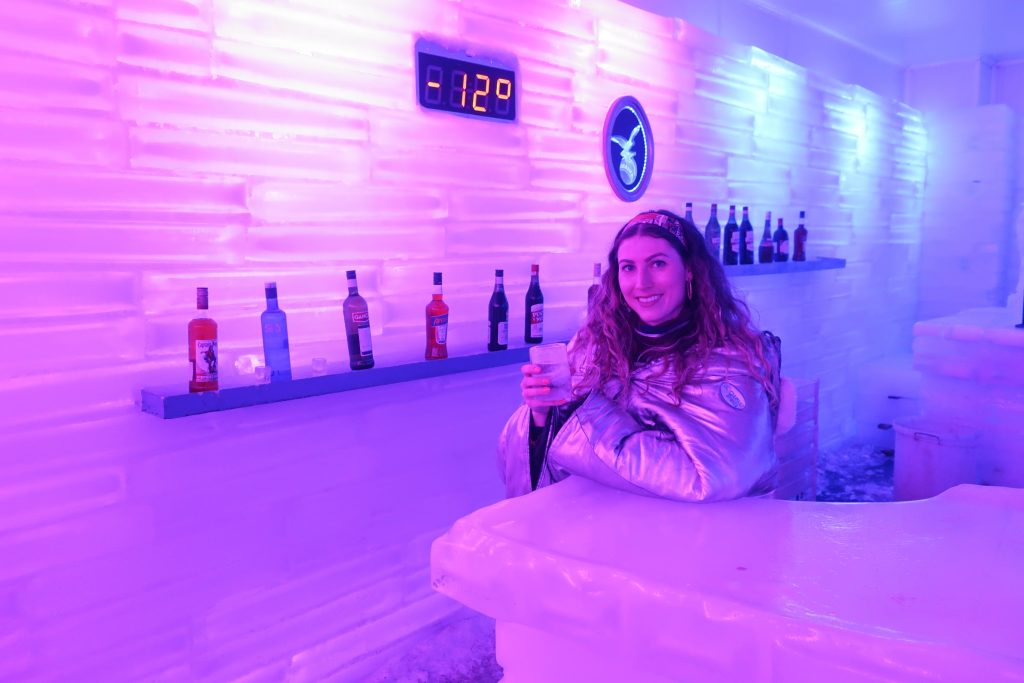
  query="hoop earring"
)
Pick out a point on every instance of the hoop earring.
point(689, 289)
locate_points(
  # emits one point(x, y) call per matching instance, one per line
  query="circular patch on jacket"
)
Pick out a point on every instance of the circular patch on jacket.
point(732, 396)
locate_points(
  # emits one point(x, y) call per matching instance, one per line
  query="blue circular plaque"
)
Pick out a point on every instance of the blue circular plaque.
point(628, 149)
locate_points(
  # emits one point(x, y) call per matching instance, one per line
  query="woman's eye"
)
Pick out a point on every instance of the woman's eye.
point(626, 268)
point(659, 263)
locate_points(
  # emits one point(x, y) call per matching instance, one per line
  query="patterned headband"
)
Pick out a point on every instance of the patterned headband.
point(667, 223)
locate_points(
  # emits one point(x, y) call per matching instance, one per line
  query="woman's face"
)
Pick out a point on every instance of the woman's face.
point(652, 278)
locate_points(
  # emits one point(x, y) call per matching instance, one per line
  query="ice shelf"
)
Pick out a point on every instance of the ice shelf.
point(820, 263)
point(177, 401)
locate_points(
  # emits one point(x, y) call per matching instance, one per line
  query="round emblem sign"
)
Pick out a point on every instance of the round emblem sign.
point(628, 149)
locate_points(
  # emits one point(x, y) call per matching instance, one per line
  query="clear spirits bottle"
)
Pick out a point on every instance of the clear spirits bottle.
point(274, 323)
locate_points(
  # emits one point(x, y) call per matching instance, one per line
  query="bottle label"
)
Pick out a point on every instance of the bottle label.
point(503, 333)
point(716, 243)
point(537, 321)
point(206, 360)
point(784, 247)
point(362, 317)
point(439, 324)
point(734, 242)
point(365, 346)
point(748, 243)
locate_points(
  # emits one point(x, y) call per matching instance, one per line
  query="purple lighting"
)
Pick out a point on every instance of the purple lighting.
point(150, 147)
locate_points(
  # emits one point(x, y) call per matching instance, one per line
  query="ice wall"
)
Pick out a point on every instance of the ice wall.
point(150, 147)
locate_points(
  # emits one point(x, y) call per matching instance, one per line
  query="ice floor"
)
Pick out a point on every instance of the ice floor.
point(463, 650)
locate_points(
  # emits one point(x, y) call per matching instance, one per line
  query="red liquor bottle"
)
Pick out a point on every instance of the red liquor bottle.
point(800, 241)
point(437, 324)
point(202, 346)
point(534, 332)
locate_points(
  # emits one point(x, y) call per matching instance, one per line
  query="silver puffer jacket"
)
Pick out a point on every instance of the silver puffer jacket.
point(716, 443)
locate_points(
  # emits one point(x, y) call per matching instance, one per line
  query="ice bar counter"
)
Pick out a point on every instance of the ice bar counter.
point(587, 583)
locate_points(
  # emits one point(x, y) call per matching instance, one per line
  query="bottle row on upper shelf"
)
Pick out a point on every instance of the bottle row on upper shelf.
point(202, 330)
point(735, 246)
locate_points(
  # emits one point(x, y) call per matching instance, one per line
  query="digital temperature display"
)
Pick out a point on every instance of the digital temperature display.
point(465, 87)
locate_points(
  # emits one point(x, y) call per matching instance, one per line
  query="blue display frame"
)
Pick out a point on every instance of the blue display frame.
point(627, 166)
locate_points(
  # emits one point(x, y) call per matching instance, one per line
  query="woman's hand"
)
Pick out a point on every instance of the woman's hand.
point(535, 394)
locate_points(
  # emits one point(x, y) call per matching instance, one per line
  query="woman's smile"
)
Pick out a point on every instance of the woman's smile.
point(652, 278)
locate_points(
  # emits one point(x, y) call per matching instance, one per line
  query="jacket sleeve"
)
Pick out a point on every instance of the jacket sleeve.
point(714, 446)
point(514, 453)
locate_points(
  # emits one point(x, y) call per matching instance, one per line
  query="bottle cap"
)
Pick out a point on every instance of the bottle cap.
point(498, 272)
point(689, 205)
point(271, 289)
point(534, 268)
point(202, 298)
point(437, 278)
point(350, 274)
point(780, 222)
point(801, 214)
point(732, 207)
point(745, 209)
point(714, 206)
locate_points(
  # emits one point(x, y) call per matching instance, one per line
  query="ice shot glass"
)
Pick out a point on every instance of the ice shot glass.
point(553, 361)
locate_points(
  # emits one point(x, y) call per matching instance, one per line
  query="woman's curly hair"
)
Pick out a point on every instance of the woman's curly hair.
point(606, 349)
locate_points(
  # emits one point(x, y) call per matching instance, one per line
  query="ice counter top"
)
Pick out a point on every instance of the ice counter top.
point(594, 582)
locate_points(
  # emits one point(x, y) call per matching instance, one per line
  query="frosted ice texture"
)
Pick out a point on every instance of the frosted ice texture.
point(627, 587)
point(291, 537)
point(149, 147)
point(972, 372)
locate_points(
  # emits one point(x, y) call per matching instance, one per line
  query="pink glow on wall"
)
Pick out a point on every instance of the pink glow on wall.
point(147, 148)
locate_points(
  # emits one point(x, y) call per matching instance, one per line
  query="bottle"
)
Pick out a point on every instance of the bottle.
point(534, 333)
point(594, 288)
point(781, 240)
point(202, 345)
point(766, 250)
point(689, 212)
point(437, 324)
point(497, 315)
point(274, 324)
point(731, 240)
point(746, 239)
point(357, 326)
point(800, 241)
point(713, 234)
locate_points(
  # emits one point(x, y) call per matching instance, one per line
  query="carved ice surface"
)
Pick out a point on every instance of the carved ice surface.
point(584, 580)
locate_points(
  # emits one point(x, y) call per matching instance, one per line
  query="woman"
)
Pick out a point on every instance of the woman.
point(674, 393)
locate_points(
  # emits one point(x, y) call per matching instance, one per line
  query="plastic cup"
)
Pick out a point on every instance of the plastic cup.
point(553, 361)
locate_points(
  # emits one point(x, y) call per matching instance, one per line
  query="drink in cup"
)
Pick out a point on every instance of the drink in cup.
point(553, 361)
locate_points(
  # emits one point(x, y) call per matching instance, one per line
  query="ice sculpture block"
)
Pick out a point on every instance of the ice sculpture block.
point(972, 371)
point(588, 583)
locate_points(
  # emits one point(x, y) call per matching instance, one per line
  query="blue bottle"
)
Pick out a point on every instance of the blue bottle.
point(274, 323)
